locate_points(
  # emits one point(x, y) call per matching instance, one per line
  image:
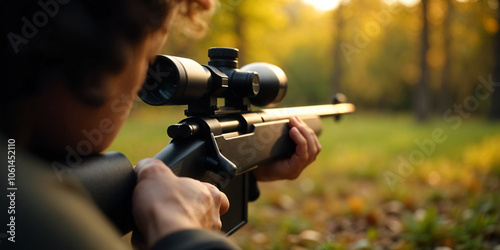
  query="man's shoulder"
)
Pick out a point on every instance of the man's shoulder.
point(51, 212)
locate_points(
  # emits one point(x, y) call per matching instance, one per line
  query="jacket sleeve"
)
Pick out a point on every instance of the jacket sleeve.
point(194, 239)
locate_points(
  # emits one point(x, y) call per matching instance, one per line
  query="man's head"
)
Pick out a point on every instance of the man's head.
point(72, 66)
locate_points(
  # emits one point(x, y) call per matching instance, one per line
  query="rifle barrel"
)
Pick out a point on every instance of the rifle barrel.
point(318, 110)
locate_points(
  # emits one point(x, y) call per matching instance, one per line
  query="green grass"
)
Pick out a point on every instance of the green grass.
point(449, 199)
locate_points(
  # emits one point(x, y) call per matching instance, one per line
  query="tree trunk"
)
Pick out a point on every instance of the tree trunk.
point(495, 99)
point(240, 33)
point(337, 57)
point(422, 92)
point(444, 91)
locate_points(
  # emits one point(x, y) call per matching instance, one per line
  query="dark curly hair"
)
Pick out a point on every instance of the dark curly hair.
point(75, 40)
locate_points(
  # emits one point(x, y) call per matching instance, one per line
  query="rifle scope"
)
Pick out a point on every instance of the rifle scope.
point(180, 81)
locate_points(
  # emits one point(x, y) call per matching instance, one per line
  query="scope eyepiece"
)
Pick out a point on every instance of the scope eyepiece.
point(179, 81)
point(175, 81)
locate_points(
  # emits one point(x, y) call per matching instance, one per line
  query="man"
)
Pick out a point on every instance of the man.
point(64, 62)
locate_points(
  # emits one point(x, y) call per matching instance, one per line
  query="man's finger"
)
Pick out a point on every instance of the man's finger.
point(151, 167)
point(302, 146)
point(309, 136)
point(224, 205)
point(219, 197)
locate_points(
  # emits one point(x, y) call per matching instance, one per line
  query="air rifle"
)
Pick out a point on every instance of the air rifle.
point(220, 141)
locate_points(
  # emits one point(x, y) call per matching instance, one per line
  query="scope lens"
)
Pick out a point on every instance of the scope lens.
point(174, 81)
point(162, 81)
point(273, 84)
point(255, 84)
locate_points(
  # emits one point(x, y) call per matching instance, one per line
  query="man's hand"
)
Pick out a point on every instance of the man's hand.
point(307, 149)
point(164, 203)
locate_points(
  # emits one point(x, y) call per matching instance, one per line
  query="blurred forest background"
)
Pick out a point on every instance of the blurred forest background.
point(384, 55)
point(416, 167)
